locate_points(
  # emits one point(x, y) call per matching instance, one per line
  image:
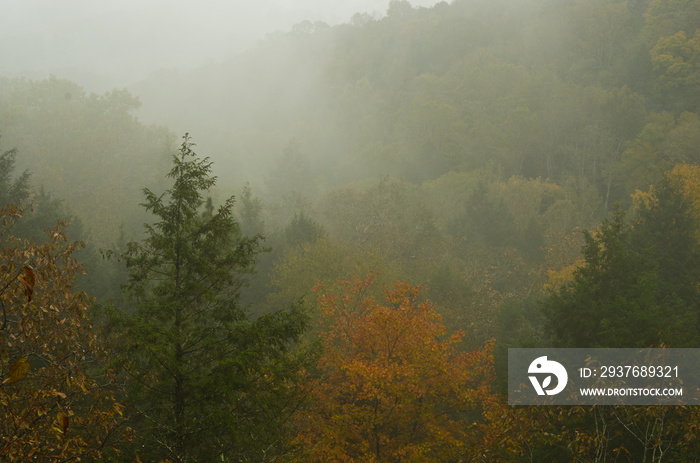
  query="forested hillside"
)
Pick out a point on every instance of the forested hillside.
point(533, 88)
point(362, 219)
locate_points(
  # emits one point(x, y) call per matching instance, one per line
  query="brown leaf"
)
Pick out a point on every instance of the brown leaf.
point(18, 370)
point(62, 419)
point(28, 281)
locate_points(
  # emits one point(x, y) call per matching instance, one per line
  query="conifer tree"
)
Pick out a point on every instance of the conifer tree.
point(639, 284)
point(206, 378)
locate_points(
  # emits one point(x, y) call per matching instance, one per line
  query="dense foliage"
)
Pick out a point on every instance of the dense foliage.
point(57, 402)
point(512, 174)
point(388, 387)
point(203, 373)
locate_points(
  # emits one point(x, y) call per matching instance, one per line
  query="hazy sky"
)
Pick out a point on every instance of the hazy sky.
point(115, 42)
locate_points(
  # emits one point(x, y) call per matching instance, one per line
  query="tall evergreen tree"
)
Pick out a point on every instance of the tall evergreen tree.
point(610, 301)
point(666, 232)
point(639, 284)
point(206, 378)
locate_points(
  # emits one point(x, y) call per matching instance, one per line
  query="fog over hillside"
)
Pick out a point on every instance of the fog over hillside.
point(107, 44)
point(301, 231)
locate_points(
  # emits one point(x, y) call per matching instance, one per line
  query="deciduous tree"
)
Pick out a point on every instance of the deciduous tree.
point(391, 385)
point(54, 403)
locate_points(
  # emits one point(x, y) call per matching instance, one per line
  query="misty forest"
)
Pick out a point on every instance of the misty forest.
point(321, 248)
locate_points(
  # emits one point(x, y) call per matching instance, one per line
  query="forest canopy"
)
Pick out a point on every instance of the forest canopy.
point(365, 218)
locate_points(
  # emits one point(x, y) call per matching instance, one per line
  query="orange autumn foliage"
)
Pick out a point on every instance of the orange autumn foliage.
point(391, 385)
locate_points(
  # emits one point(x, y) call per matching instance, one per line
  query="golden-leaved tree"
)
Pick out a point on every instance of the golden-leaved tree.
point(390, 384)
point(54, 403)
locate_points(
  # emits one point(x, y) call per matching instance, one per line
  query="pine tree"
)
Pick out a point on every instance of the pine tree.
point(610, 302)
point(639, 284)
point(199, 365)
point(666, 232)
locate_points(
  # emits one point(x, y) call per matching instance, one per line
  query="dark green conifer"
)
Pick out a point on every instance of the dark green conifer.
point(207, 380)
